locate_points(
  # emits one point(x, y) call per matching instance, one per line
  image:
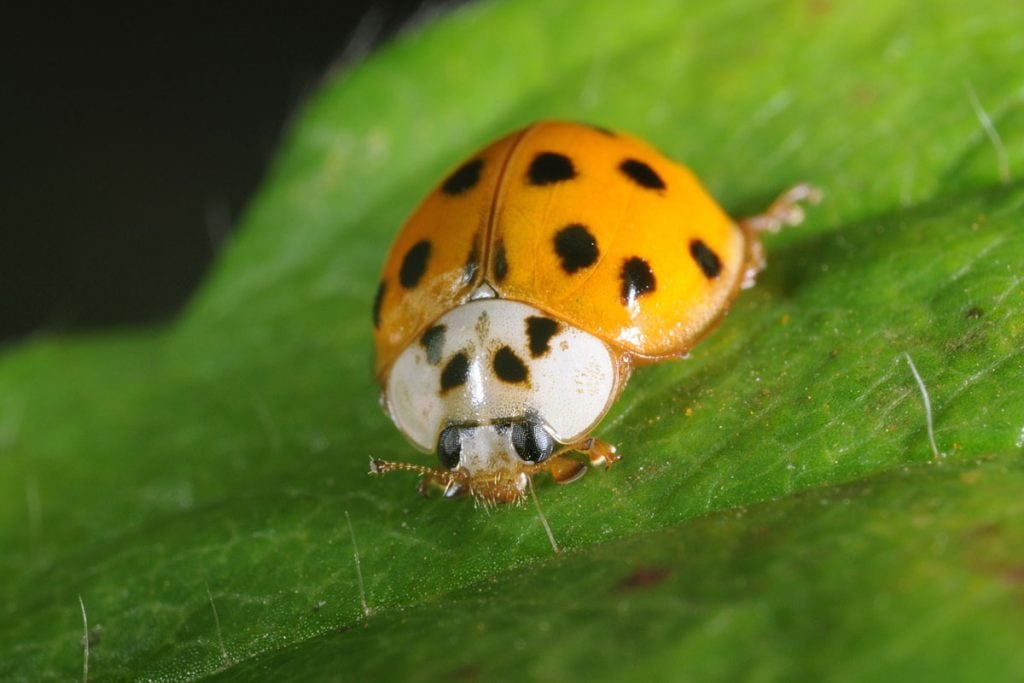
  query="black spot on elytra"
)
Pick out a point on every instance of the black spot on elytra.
point(508, 366)
point(472, 261)
point(637, 279)
point(500, 262)
point(432, 342)
point(414, 264)
point(464, 178)
point(455, 372)
point(377, 301)
point(550, 167)
point(540, 331)
point(642, 174)
point(708, 260)
point(576, 247)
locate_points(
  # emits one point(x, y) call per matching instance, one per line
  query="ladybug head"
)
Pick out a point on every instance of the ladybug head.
point(491, 462)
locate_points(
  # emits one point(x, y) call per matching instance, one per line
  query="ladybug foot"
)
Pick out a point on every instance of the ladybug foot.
point(599, 452)
point(785, 210)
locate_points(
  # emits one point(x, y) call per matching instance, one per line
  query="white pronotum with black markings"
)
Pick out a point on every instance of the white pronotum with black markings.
point(495, 385)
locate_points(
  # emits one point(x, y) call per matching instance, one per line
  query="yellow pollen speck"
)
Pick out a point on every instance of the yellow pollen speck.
point(785, 318)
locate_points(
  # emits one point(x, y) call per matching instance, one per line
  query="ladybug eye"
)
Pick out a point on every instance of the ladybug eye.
point(449, 447)
point(532, 442)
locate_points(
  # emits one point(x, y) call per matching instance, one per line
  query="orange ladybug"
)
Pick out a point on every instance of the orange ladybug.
point(521, 293)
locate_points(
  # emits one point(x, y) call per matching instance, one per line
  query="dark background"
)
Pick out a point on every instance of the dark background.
point(133, 139)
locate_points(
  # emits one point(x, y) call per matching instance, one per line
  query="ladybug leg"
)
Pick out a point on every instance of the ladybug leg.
point(427, 482)
point(566, 470)
point(448, 486)
point(755, 261)
point(785, 210)
point(599, 452)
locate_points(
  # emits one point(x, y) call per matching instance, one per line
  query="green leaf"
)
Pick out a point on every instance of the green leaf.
point(778, 512)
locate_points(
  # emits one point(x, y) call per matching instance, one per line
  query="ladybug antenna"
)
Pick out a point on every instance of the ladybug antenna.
point(446, 479)
point(385, 466)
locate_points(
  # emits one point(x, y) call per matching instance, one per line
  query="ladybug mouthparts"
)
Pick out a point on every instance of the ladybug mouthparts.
point(498, 487)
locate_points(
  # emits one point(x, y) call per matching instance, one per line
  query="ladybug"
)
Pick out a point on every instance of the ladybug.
point(519, 296)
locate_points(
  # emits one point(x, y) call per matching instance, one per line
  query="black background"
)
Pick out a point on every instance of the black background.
point(133, 139)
